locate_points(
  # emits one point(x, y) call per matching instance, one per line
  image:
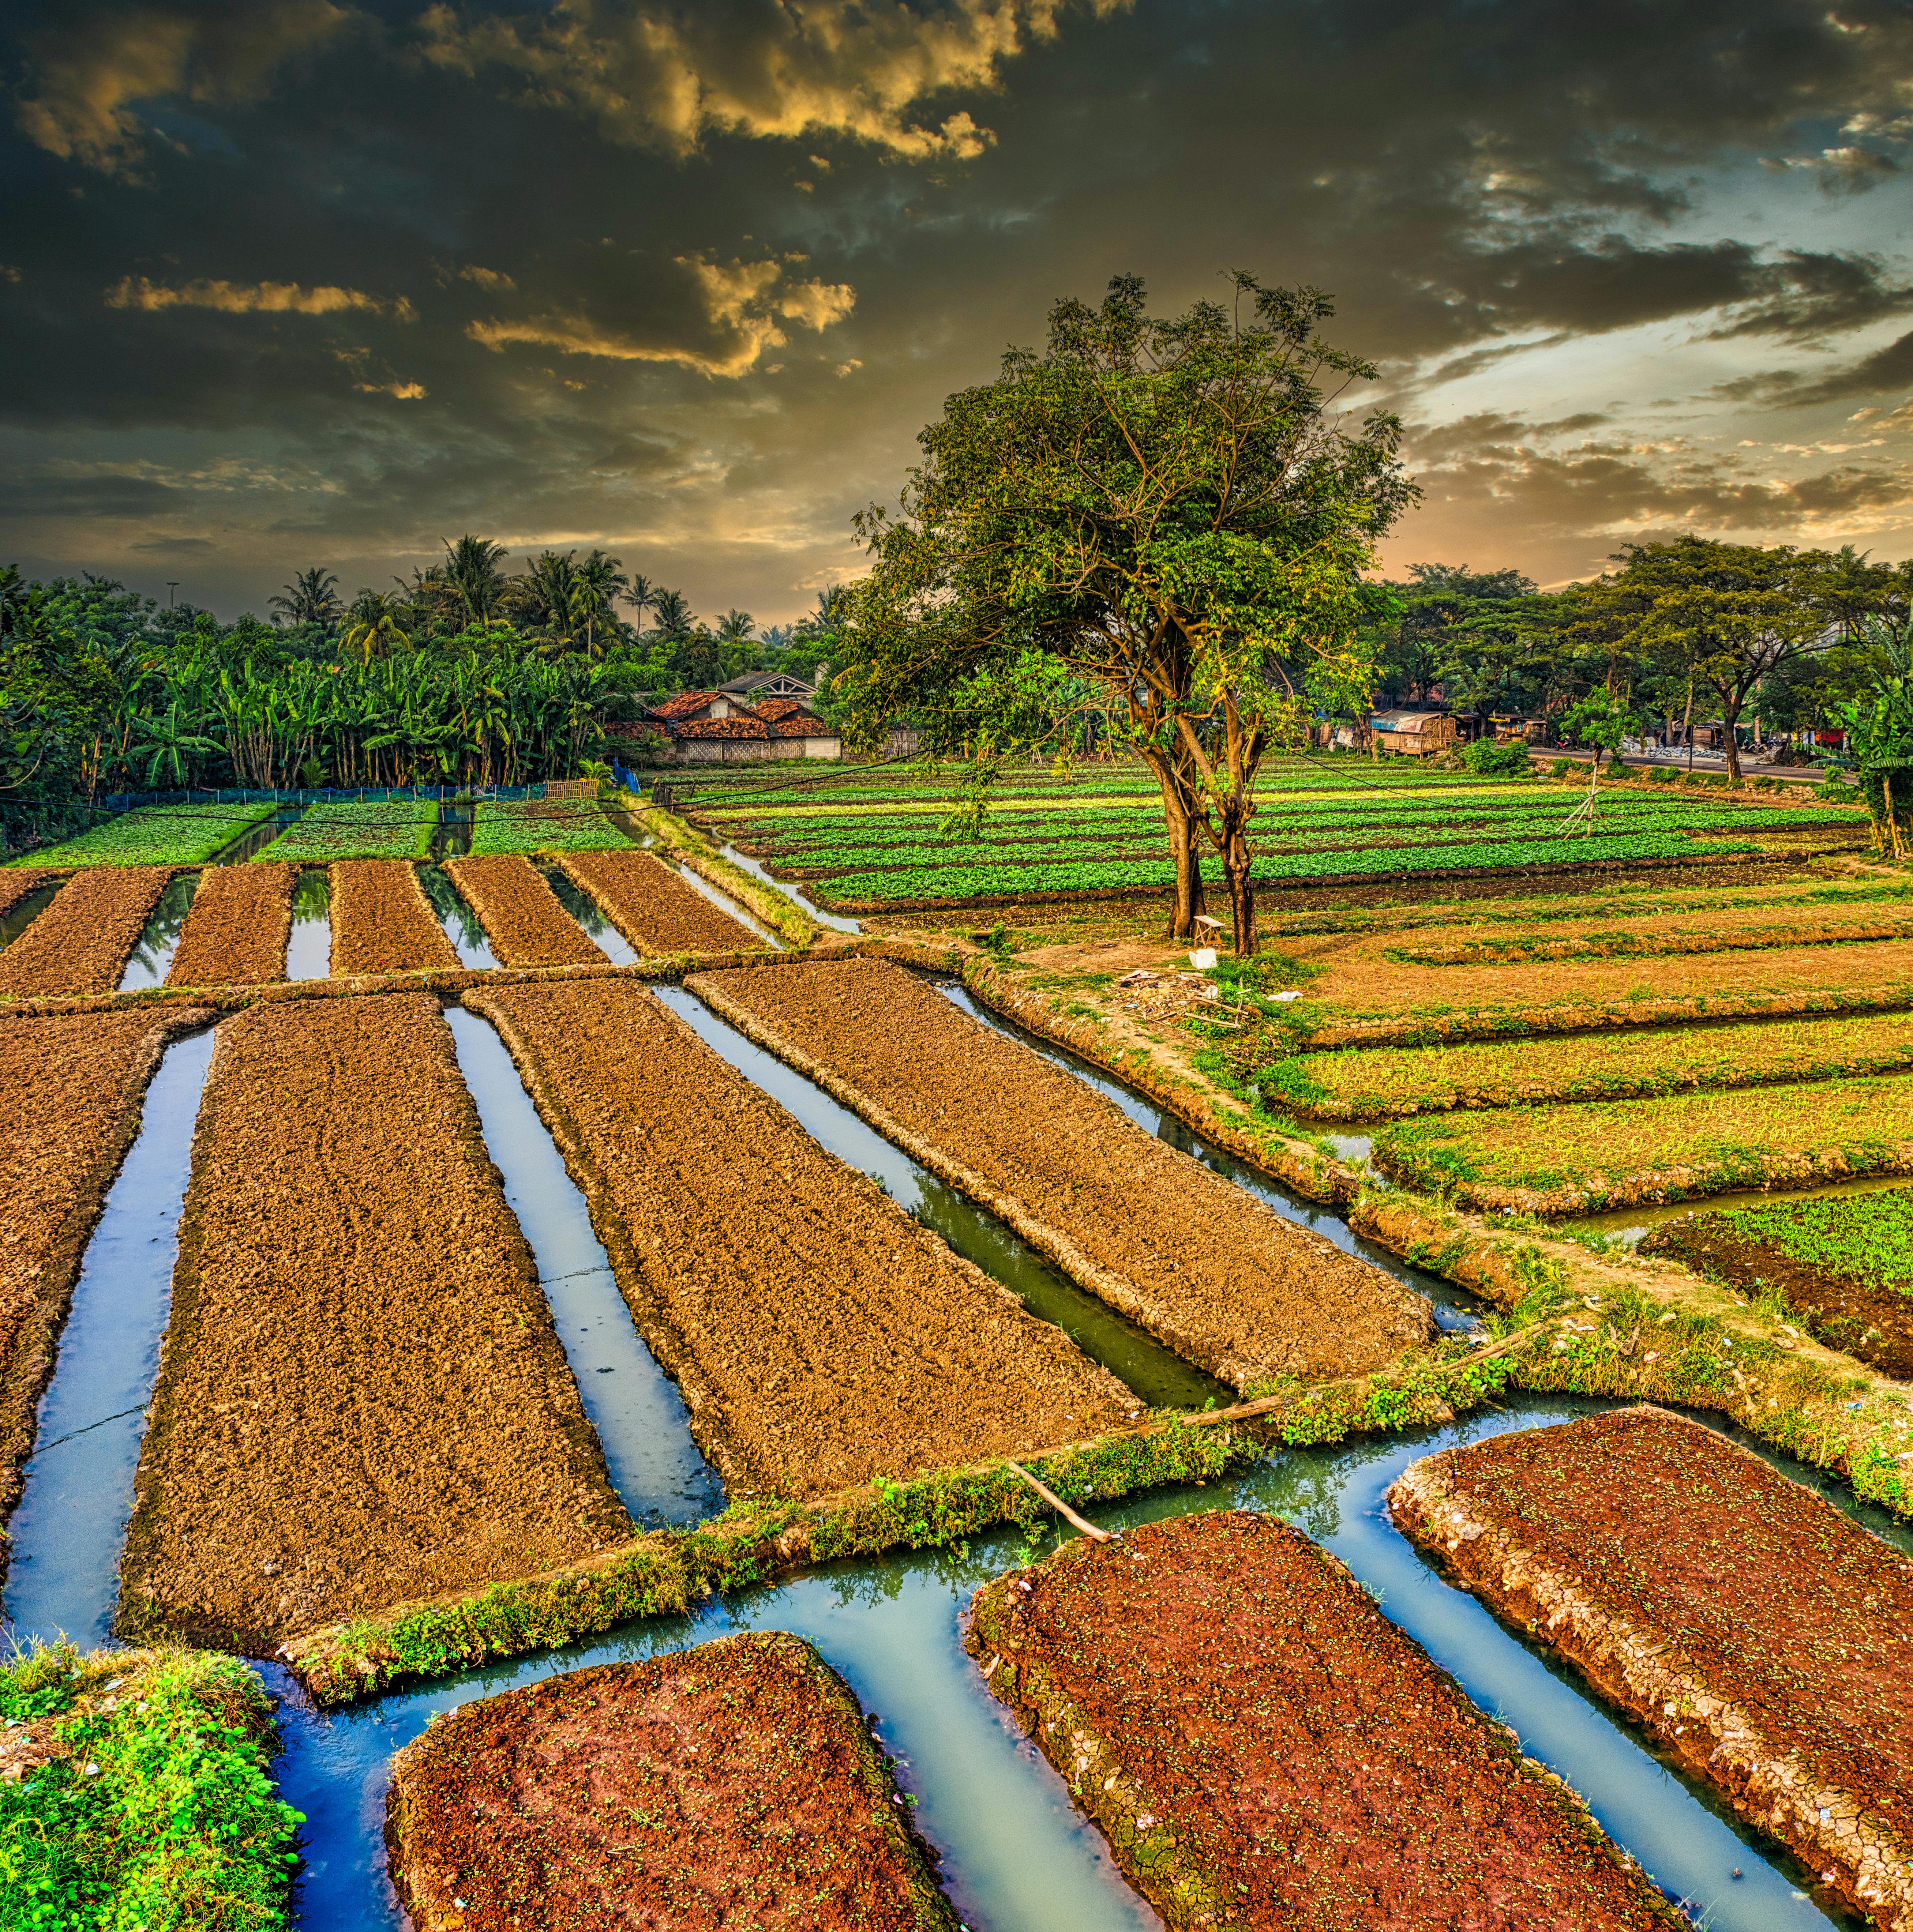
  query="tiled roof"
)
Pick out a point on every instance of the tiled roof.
point(740, 726)
point(683, 703)
point(804, 725)
point(775, 708)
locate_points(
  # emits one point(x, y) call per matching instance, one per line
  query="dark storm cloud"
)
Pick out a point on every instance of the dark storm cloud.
point(691, 275)
point(1888, 368)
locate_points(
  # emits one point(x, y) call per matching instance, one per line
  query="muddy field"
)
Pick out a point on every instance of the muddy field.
point(361, 1400)
point(735, 1785)
point(382, 921)
point(69, 1095)
point(522, 918)
point(654, 909)
point(81, 942)
point(821, 1337)
point(1763, 1638)
point(235, 933)
point(1200, 1263)
point(1261, 1746)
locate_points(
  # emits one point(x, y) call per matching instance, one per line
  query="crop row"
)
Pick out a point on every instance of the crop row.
point(504, 827)
point(398, 829)
point(155, 835)
point(959, 882)
point(1360, 1083)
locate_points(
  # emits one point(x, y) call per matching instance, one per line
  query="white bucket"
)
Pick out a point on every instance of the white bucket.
point(1203, 959)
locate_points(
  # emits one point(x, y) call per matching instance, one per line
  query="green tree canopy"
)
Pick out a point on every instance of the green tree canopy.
point(1161, 509)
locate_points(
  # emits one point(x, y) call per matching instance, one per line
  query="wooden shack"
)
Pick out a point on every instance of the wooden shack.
point(1422, 734)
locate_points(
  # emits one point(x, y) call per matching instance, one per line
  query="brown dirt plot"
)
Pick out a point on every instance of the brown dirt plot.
point(16, 885)
point(654, 909)
point(70, 1093)
point(821, 1337)
point(733, 1785)
point(521, 913)
point(1763, 1638)
point(1261, 1746)
point(382, 921)
point(81, 942)
point(361, 1399)
point(1198, 1261)
point(236, 931)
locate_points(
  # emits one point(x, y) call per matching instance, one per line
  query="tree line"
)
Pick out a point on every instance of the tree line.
point(463, 674)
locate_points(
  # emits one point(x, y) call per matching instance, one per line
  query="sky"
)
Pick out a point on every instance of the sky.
point(290, 283)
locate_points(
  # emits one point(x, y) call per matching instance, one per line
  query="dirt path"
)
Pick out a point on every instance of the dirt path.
point(1201, 1263)
point(1261, 1746)
point(732, 1786)
point(70, 1095)
point(81, 942)
point(521, 913)
point(653, 908)
point(1762, 1637)
point(363, 1400)
point(382, 921)
point(820, 1336)
point(236, 931)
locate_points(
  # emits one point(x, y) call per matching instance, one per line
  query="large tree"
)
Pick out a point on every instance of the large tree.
point(1161, 510)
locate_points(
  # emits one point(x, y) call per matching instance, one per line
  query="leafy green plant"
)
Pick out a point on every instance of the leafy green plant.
point(155, 835)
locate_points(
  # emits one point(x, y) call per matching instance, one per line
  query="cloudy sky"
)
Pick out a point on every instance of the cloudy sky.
point(290, 282)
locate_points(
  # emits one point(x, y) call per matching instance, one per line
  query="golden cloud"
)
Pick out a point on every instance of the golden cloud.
point(662, 74)
point(253, 298)
point(744, 303)
point(85, 79)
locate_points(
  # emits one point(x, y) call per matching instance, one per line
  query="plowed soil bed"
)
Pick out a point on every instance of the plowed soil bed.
point(732, 1786)
point(1764, 1639)
point(382, 921)
point(521, 913)
point(81, 942)
point(820, 1336)
point(1868, 1318)
point(16, 886)
point(361, 1399)
point(653, 908)
point(1199, 1262)
point(236, 931)
point(69, 1095)
point(1261, 1746)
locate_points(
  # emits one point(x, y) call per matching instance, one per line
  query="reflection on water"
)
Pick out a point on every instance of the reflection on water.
point(159, 939)
point(460, 923)
point(78, 1491)
point(583, 908)
point(1016, 1856)
point(725, 903)
point(1630, 1224)
point(309, 946)
point(15, 920)
point(256, 838)
point(834, 921)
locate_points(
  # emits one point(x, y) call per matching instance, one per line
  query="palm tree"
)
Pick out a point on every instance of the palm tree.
point(737, 627)
point(640, 593)
point(471, 570)
point(311, 597)
point(375, 629)
point(598, 582)
point(672, 609)
point(541, 598)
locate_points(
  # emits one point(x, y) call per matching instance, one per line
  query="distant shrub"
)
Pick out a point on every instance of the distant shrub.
point(1487, 759)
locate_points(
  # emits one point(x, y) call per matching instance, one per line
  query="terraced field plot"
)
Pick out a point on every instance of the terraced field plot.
point(522, 918)
point(504, 825)
point(236, 931)
point(382, 921)
point(81, 942)
point(862, 846)
point(659, 914)
point(154, 835)
point(396, 829)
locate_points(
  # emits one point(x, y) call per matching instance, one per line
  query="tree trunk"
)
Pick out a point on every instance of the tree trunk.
point(1184, 849)
point(1236, 863)
point(1730, 717)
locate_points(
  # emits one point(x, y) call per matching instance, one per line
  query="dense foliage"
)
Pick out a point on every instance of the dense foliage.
point(464, 676)
point(168, 835)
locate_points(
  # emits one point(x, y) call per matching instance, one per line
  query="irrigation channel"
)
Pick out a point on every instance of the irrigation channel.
point(159, 938)
point(1016, 1855)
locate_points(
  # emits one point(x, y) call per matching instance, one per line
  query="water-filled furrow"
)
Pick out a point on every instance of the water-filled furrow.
point(159, 938)
point(460, 923)
point(256, 838)
point(725, 903)
point(660, 1475)
point(309, 945)
point(15, 920)
point(1016, 1854)
point(583, 908)
point(833, 920)
point(451, 836)
point(71, 1520)
point(1156, 1374)
point(1454, 1307)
